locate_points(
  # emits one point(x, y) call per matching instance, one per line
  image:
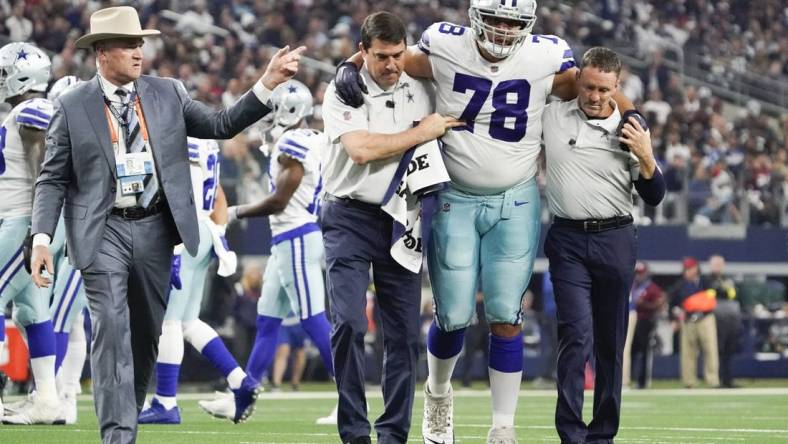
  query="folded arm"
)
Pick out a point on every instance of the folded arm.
point(363, 146)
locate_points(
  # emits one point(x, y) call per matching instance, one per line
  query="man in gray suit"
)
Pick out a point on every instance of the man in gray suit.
point(117, 163)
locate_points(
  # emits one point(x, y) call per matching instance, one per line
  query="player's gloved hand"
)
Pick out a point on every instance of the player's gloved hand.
point(625, 118)
point(349, 85)
point(175, 272)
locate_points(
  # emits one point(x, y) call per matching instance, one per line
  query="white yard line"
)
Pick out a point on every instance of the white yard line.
point(629, 394)
point(376, 394)
point(651, 429)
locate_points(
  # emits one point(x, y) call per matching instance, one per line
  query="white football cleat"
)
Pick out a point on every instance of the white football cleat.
point(15, 407)
point(501, 435)
point(437, 427)
point(331, 419)
point(69, 403)
point(221, 406)
point(41, 411)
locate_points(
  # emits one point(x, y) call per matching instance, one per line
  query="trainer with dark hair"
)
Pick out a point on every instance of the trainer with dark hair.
point(592, 245)
point(368, 143)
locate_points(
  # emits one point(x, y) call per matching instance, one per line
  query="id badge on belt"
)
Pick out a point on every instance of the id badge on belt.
point(132, 169)
point(131, 185)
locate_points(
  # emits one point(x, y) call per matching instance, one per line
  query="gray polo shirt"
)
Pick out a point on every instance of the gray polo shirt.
point(408, 101)
point(588, 175)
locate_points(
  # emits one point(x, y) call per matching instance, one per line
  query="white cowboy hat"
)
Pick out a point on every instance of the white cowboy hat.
point(113, 23)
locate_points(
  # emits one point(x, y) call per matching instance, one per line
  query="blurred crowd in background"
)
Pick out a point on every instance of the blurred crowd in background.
point(712, 77)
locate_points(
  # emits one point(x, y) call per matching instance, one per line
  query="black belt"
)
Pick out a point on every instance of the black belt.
point(353, 203)
point(136, 213)
point(594, 225)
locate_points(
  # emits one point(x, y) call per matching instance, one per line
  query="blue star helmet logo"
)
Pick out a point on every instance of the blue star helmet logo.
point(292, 89)
point(22, 55)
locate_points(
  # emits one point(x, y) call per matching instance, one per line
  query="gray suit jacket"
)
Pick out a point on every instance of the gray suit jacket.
point(79, 174)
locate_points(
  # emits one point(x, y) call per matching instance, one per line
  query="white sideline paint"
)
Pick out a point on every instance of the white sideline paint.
point(376, 394)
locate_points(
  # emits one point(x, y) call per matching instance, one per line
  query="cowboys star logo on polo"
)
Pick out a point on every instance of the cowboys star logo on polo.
point(346, 115)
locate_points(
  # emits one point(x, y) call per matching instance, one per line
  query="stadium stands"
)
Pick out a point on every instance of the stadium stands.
point(726, 155)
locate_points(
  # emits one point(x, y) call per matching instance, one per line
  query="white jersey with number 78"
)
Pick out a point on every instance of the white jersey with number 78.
point(501, 102)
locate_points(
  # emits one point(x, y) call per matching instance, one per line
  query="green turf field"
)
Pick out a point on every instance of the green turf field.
point(750, 415)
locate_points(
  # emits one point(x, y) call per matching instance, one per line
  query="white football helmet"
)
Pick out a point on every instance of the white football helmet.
point(62, 85)
point(501, 42)
point(292, 101)
point(23, 67)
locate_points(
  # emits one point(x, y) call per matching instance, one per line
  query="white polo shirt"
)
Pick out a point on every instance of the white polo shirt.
point(588, 175)
point(383, 112)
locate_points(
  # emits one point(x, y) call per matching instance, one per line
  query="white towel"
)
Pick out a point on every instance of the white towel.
point(228, 261)
point(420, 172)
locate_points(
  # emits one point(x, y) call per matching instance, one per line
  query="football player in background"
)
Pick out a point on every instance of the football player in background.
point(499, 87)
point(293, 278)
point(181, 319)
point(24, 75)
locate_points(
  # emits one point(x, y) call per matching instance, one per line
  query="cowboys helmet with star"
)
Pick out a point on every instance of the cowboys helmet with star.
point(23, 67)
point(291, 101)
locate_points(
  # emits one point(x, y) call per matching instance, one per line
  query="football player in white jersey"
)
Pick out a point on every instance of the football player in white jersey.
point(24, 74)
point(293, 278)
point(181, 319)
point(496, 76)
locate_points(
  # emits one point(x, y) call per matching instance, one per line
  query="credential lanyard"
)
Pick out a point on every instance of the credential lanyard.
point(113, 132)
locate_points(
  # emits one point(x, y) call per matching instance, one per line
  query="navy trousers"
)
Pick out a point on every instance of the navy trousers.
point(592, 276)
point(356, 236)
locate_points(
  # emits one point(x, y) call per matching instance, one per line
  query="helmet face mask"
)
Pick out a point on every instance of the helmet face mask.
point(23, 68)
point(61, 86)
point(501, 41)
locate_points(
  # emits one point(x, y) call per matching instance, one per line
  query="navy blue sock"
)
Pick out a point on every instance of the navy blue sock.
point(506, 354)
point(41, 339)
point(444, 345)
point(264, 346)
point(219, 356)
point(167, 379)
point(319, 331)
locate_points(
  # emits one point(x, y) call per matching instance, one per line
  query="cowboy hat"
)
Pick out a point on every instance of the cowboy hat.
point(114, 23)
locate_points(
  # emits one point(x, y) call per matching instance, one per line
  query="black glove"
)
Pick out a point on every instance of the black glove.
point(625, 119)
point(350, 87)
point(27, 251)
